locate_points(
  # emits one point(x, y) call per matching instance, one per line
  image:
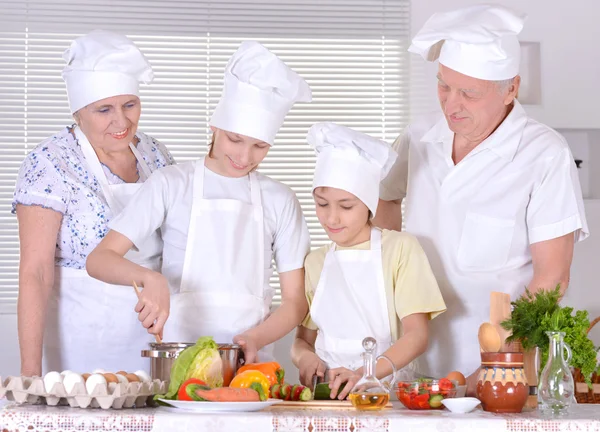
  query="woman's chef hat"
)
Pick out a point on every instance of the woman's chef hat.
point(350, 160)
point(258, 91)
point(103, 64)
point(477, 41)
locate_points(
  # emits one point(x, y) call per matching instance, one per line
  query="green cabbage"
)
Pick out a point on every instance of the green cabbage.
point(201, 361)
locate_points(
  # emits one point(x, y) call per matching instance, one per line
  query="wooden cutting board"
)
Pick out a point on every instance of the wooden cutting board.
point(319, 404)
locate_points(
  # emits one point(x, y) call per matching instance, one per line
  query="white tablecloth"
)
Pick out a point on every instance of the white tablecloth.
point(26, 418)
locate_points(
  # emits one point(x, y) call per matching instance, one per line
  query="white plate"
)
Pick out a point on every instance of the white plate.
point(193, 406)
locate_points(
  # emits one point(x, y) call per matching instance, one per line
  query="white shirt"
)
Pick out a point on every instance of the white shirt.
point(165, 201)
point(477, 219)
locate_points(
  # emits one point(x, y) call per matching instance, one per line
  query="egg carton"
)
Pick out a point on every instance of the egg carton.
point(31, 390)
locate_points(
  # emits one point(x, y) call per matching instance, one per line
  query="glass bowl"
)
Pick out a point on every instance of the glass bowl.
point(425, 394)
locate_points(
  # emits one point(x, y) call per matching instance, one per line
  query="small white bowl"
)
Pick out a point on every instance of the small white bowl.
point(461, 405)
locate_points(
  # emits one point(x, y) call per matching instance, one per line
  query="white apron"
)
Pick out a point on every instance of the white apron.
point(350, 304)
point(92, 324)
point(224, 286)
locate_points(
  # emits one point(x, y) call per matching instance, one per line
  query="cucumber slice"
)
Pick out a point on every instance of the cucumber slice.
point(435, 401)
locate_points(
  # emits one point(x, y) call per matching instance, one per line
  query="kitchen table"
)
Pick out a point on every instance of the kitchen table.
point(28, 418)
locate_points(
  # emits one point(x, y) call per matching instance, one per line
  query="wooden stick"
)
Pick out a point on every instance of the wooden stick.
point(137, 291)
point(500, 311)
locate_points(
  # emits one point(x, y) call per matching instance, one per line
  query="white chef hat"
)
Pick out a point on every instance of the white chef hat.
point(103, 64)
point(350, 160)
point(478, 41)
point(258, 91)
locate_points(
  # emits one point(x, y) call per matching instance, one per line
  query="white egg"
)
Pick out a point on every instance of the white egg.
point(98, 371)
point(93, 380)
point(66, 372)
point(71, 379)
point(122, 379)
point(51, 379)
point(143, 376)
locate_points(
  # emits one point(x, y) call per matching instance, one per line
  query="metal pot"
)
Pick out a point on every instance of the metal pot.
point(163, 355)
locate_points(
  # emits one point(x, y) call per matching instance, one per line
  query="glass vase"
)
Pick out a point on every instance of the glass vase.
point(556, 386)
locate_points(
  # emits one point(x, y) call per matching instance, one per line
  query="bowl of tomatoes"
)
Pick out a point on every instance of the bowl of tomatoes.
point(425, 394)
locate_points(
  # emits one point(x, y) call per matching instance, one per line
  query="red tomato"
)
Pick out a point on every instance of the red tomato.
point(445, 384)
point(182, 394)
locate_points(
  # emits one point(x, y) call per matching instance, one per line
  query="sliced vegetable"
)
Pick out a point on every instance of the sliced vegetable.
point(272, 370)
point(301, 393)
point(183, 394)
point(425, 394)
point(286, 389)
point(290, 392)
point(435, 401)
point(276, 391)
point(227, 394)
point(252, 379)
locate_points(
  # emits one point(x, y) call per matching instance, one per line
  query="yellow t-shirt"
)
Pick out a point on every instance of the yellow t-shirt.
point(410, 285)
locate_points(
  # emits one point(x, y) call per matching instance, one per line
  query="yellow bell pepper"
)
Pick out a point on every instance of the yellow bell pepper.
point(252, 379)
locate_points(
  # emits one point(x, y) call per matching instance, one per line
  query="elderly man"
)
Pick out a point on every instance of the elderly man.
point(492, 195)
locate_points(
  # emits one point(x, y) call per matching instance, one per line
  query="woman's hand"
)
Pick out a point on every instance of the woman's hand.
point(341, 375)
point(154, 303)
point(309, 365)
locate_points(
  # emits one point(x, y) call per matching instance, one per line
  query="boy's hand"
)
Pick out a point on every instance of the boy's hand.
point(341, 375)
point(310, 365)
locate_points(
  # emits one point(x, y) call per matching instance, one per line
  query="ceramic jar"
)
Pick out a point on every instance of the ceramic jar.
point(502, 386)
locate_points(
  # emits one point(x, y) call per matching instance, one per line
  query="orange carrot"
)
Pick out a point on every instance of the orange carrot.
point(228, 394)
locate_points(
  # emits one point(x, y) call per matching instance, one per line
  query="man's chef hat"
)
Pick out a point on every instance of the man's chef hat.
point(258, 92)
point(478, 41)
point(103, 64)
point(350, 160)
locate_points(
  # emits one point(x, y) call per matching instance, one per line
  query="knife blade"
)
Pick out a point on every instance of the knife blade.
point(313, 386)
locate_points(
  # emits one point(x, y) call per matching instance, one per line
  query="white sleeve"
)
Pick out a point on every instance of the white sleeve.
point(145, 212)
point(393, 187)
point(292, 239)
point(556, 205)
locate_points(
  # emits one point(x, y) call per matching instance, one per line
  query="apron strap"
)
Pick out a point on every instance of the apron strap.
point(258, 212)
point(95, 166)
point(375, 239)
point(198, 188)
point(143, 165)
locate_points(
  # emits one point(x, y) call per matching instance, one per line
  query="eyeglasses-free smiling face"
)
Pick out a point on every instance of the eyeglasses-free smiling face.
point(473, 107)
point(344, 217)
point(110, 123)
point(235, 155)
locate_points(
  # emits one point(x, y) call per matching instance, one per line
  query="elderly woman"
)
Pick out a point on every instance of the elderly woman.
point(69, 187)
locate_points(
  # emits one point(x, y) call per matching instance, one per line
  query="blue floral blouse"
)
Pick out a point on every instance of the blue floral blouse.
point(54, 175)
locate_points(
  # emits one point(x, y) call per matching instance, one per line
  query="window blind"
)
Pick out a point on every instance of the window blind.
point(351, 52)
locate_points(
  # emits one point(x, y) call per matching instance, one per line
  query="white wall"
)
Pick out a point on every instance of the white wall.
point(9, 346)
point(568, 32)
